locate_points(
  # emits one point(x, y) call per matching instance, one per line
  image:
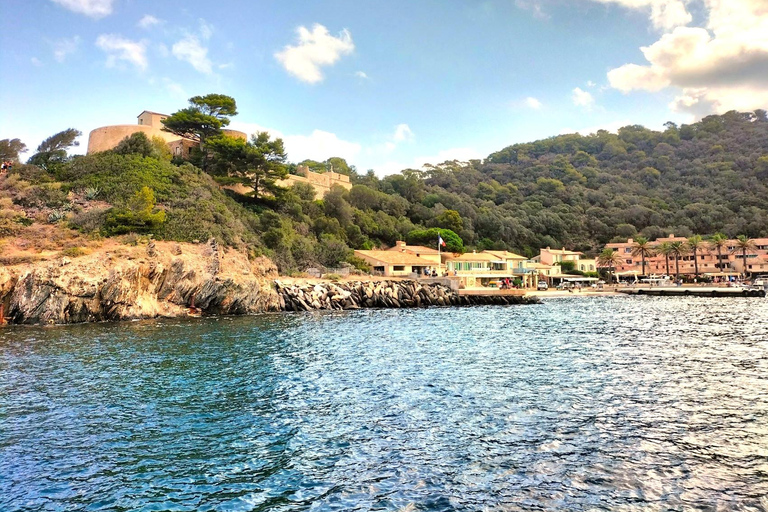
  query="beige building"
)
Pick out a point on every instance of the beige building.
point(321, 182)
point(486, 268)
point(707, 261)
point(553, 256)
point(149, 123)
point(426, 253)
point(392, 263)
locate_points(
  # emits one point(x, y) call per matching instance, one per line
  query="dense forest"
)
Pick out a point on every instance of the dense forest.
point(575, 191)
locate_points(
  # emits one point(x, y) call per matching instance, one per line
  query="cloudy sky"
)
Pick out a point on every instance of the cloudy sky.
point(386, 85)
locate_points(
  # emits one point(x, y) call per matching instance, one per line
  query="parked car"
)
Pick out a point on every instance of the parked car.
point(543, 285)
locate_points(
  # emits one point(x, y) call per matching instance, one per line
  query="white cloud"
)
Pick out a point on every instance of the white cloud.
point(174, 88)
point(119, 48)
point(362, 75)
point(720, 66)
point(315, 49)
point(319, 145)
point(533, 103)
point(447, 155)
point(64, 47)
point(582, 98)
point(665, 14)
point(190, 50)
point(206, 30)
point(534, 6)
point(93, 8)
point(590, 83)
point(403, 133)
point(148, 21)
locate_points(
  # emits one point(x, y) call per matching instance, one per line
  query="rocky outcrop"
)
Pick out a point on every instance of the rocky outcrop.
point(173, 280)
point(129, 283)
point(381, 294)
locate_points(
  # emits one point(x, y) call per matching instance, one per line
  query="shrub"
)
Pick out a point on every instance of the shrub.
point(73, 252)
point(89, 221)
point(138, 217)
point(359, 263)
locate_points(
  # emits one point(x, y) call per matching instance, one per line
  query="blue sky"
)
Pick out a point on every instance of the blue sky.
point(386, 85)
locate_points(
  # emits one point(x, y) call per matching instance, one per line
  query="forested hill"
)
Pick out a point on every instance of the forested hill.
point(582, 191)
point(573, 191)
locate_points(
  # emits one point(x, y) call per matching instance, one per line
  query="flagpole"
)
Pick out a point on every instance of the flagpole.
point(439, 259)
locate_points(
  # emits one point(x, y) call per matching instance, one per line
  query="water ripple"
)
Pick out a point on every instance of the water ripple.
point(574, 404)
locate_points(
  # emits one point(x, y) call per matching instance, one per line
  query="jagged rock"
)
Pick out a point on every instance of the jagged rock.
point(97, 287)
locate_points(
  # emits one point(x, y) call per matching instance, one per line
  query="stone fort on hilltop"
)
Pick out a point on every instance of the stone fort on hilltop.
point(107, 137)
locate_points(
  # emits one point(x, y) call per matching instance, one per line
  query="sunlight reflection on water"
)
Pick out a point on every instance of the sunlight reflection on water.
point(573, 404)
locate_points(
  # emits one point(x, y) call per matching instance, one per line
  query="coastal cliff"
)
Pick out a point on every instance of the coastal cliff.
point(121, 283)
point(164, 279)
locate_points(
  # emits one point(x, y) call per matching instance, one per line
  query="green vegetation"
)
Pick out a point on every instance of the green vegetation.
point(572, 191)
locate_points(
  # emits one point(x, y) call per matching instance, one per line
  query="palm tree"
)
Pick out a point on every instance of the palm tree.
point(744, 244)
point(718, 241)
point(695, 244)
point(665, 248)
point(643, 249)
point(609, 259)
point(678, 249)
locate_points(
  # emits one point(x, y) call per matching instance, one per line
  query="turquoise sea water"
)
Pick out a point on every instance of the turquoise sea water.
point(607, 403)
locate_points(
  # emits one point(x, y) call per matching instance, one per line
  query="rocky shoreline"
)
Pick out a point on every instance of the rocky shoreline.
point(171, 280)
point(382, 294)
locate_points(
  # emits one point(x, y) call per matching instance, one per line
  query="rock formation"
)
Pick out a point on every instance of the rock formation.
point(382, 294)
point(127, 284)
point(161, 280)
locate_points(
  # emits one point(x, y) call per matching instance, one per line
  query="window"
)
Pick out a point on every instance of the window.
point(629, 262)
point(141, 121)
point(628, 250)
point(398, 268)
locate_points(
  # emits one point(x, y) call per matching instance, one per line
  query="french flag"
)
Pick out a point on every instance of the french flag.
point(440, 240)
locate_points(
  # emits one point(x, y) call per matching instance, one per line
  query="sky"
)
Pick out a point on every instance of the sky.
point(385, 85)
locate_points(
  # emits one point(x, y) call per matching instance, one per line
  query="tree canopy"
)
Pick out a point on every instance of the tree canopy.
point(11, 148)
point(259, 162)
point(53, 150)
point(204, 118)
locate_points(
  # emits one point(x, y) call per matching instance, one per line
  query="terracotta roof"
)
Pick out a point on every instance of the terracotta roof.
point(506, 255)
point(394, 257)
point(474, 256)
point(150, 112)
point(561, 251)
point(539, 265)
point(414, 249)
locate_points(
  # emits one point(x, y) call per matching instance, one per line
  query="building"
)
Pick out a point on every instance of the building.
point(730, 262)
point(550, 256)
point(149, 123)
point(482, 269)
point(391, 263)
point(321, 182)
point(426, 253)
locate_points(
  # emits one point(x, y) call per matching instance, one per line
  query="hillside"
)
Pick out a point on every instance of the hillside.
point(571, 190)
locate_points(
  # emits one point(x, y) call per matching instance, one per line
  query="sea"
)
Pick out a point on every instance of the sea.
point(573, 404)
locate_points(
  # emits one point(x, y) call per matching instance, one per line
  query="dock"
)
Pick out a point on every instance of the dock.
point(492, 292)
point(698, 291)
